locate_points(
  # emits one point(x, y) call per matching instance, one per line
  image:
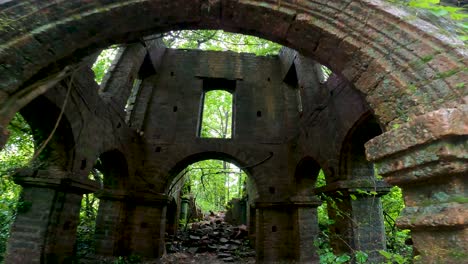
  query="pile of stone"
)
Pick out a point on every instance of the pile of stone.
point(214, 236)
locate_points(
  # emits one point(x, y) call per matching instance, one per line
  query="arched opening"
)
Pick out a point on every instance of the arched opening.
point(38, 156)
point(311, 220)
point(213, 198)
point(110, 214)
point(52, 134)
point(354, 198)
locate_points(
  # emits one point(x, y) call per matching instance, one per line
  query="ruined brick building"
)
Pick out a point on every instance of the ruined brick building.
point(397, 99)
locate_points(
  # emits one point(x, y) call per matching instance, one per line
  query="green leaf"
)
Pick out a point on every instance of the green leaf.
point(386, 254)
point(361, 257)
point(342, 259)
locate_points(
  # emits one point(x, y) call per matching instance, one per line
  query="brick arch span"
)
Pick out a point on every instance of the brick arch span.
point(353, 162)
point(245, 161)
point(403, 69)
point(113, 165)
point(305, 175)
point(42, 115)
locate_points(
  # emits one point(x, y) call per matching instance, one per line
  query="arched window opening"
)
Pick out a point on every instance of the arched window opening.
point(217, 111)
point(16, 154)
point(104, 62)
point(131, 100)
point(146, 70)
point(325, 74)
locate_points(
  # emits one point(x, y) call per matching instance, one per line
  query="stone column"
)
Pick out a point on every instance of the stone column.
point(359, 223)
point(306, 229)
point(286, 230)
point(44, 230)
point(147, 223)
point(110, 236)
point(428, 159)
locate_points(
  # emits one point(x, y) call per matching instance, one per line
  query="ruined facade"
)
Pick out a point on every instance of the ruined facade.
point(397, 98)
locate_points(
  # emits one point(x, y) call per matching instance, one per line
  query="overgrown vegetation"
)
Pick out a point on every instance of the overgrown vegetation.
point(16, 154)
point(213, 183)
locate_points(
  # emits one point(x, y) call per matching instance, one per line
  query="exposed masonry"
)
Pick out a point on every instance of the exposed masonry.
point(398, 99)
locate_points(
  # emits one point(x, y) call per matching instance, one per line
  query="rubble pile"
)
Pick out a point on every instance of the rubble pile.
point(215, 237)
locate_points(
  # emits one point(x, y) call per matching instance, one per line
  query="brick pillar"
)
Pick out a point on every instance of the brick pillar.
point(306, 229)
point(44, 230)
point(359, 223)
point(285, 231)
point(110, 236)
point(146, 222)
point(428, 159)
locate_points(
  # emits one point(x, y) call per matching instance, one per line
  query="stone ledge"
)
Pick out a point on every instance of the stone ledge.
point(356, 187)
point(422, 130)
point(147, 198)
point(448, 150)
point(437, 159)
point(67, 184)
point(439, 216)
point(294, 201)
point(114, 195)
point(133, 197)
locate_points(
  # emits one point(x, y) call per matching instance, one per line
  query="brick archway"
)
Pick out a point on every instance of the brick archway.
point(404, 69)
point(243, 164)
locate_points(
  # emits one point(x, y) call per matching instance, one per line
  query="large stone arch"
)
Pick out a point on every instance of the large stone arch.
point(369, 42)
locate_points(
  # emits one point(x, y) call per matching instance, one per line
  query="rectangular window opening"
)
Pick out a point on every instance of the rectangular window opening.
point(218, 109)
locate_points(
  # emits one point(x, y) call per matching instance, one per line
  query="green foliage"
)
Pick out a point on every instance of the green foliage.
point(392, 203)
point(361, 257)
point(133, 259)
point(219, 40)
point(103, 62)
point(437, 9)
point(19, 149)
point(217, 115)
point(393, 257)
point(87, 225)
point(17, 153)
point(213, 183)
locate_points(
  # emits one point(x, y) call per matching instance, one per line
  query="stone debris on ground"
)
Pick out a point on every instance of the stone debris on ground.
point(210, 241)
